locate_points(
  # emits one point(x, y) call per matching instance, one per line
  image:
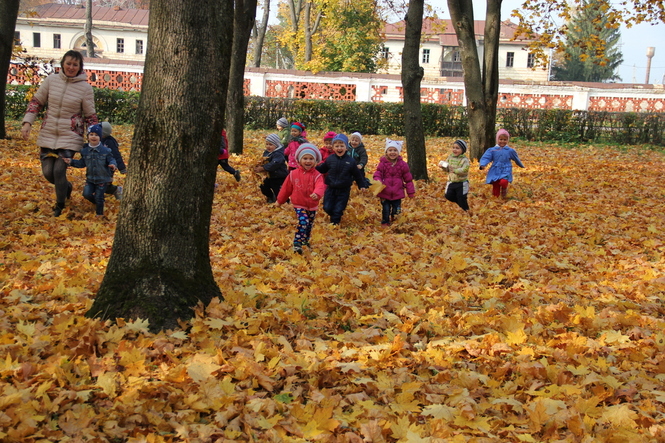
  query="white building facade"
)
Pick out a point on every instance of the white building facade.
point(440, 54)
point(53, 29)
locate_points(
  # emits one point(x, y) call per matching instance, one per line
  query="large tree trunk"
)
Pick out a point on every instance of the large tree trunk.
point(160, 265)
point(243, 20)
point(261, 34)
point(87, 29)
point(310, 29)
point(412, 74)
point(8, 14)
point(461, 13)
point(491, 71)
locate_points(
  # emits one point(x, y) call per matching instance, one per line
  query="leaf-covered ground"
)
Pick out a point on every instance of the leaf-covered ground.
point(540, 319)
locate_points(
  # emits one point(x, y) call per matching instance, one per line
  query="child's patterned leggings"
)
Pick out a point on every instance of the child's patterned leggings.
point(304, 228)
point(500, 187)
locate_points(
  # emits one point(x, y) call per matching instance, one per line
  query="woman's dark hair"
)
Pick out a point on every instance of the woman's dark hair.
point(76, 56)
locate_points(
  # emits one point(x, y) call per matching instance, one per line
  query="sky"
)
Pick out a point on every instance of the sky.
point(634, 43)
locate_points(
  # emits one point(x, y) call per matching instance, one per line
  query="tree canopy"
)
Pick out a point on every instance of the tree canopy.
point(331, 35)
point(591, 51)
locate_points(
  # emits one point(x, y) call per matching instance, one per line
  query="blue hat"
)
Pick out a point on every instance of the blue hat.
point(97, 129)
point(341, 137)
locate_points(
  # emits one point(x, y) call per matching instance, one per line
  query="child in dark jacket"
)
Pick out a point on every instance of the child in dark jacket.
point(223, 158)
point(395, 174)
point(341, 171)
point(275, 165)
point(358, 152)
point(110, 142)
point(305, 186)
point(100, 165)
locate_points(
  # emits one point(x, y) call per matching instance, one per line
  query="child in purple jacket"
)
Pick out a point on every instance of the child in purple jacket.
point(394, 173)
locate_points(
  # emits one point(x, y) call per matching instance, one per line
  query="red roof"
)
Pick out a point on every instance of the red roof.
point(132, 17)
point(442, 30)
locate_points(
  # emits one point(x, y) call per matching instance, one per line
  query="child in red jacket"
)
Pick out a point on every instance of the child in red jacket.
point(223, 158)
point(305, 186)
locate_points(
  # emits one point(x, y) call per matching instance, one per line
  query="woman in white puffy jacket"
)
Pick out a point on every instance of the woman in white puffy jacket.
point(70, 110)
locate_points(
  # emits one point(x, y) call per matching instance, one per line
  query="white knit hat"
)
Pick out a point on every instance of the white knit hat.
point(393, 144)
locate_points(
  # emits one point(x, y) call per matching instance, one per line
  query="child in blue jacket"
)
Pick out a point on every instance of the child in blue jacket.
point(100, 165)
point(341, 171)
point(500, 173)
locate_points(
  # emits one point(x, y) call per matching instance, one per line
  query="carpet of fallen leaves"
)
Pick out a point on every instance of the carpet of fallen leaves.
point(540, 319)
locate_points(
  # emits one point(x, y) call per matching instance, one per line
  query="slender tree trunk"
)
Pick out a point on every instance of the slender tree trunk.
point(89, 43)
point(491, 71)
point(412, 75)
point(8, 15)
point(160, 265)
point(308, 32)
point(243, 20)
point(261, 34)
point(461, 13)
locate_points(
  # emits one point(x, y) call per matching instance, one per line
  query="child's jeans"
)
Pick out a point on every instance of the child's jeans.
point(94, 192)
point(304, 228)
point(334, 203)
point(390, 209)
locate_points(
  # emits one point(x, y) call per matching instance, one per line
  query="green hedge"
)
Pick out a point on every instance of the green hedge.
point(387, 118)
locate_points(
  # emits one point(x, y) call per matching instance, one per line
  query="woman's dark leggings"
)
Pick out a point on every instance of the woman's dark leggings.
point(55, 171)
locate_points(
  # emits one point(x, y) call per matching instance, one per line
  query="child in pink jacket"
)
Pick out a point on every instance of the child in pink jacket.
point(395, 174)
point(298, 137)
point(305, 186)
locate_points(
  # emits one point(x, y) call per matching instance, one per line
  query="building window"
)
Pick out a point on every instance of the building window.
point(36, 40)
point(385, 53)
point(456, 56)
point(56, 41)
point(139, 46)
point(510, 59)
point(531, 60)
point(120, 45)
point(17, 38)
point(425, 55)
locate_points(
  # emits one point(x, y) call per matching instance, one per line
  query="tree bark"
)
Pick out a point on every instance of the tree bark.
point(8, 15)
point(261, 34)
point(243, 20)
point(491, 71)
point(87, 29)
point(481, 87)
point(412, 75)
point(160, 265)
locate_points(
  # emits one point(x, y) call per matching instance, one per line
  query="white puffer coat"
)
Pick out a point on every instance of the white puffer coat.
point(71, 109)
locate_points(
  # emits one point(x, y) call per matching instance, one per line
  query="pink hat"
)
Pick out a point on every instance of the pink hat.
point(308, 148)
point(502, 132)
point(329, 135)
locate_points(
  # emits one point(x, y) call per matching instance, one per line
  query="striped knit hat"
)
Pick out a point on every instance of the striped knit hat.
point(274, 139)
point(308, 148)
point(282, 122)
point(461, 144)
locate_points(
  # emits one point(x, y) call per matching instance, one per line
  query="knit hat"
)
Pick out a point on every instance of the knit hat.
point(461, 144)
point(341, 137)
point(284, 123)
point(299, 126)
point(329, 135)
point(274, 139)
point(357, 134)
point(97, 129)
point(393, 144)
point(308, 148)
point(106, 129)
point(502, 132)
